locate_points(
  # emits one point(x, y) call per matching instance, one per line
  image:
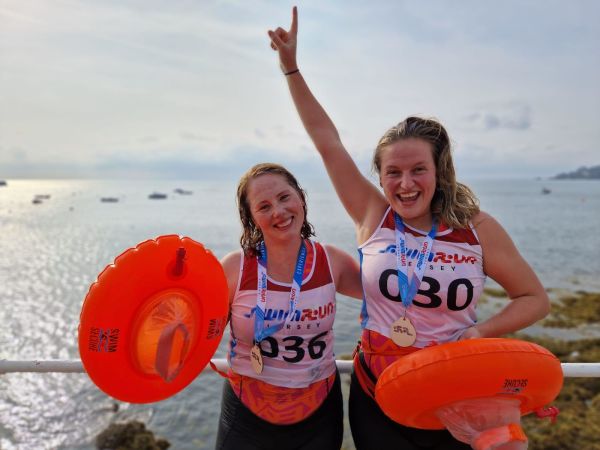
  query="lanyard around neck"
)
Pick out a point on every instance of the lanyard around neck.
point(260, 332)
point(409, 288)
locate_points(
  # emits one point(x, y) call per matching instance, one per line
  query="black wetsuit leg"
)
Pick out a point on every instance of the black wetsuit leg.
point(373, 430)
point(241, 429)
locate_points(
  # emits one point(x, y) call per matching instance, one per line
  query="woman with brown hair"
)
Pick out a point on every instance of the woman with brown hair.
point(425, 251)
point(283, 390)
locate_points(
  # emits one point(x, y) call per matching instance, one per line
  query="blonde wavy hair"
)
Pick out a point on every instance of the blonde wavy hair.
point(453, 203)
point(252, 236)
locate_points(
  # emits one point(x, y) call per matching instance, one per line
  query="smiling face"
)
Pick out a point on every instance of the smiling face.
point(408, 177)
point(276, 208)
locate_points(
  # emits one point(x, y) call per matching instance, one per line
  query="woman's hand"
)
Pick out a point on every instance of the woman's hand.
point(284, 42)
point(470, 333)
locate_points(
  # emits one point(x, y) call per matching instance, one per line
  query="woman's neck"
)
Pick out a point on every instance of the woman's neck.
point(423, 223)
point(282, 258)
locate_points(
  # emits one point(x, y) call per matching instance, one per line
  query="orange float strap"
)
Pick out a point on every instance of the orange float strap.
point(153, 319)
point(477, 388)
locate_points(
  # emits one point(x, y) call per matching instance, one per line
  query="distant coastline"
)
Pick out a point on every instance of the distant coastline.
point(583, 173)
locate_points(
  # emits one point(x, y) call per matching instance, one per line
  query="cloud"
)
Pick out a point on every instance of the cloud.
point(512, 116)
point(183, 165)
point(189, 136)
point(84, 78)
point(148, 140)
point(17, 155)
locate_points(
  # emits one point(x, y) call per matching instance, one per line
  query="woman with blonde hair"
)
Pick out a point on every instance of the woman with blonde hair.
point(425, 251)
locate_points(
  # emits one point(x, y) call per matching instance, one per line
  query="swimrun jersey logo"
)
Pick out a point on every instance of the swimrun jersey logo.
point(442, 257)
point(310, 314)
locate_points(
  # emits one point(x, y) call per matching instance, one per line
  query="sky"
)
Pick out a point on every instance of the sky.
point(191, 89)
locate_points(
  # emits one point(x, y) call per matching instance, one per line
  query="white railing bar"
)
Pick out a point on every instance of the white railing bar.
point(344, 366)
point(579, 370)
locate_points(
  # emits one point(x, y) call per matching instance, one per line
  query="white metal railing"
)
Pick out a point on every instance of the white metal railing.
point(573, 370)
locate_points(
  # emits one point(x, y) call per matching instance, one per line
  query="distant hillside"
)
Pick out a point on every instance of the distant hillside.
point(583, 173)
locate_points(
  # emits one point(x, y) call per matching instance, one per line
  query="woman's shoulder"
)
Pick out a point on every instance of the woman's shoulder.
point(340, 259)
point(334, 251)
point(231, 262)
point(482, 218)
point(381, 217)
point(489, 230)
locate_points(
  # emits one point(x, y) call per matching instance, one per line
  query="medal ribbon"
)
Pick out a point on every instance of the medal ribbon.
point(409, 288)
point(261, 293)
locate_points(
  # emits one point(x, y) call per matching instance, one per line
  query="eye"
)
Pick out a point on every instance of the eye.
point(264, 207)
point(419, 170)
point(284, 197)
point(392, 172)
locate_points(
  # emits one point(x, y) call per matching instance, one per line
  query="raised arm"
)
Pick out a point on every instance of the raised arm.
point(362, 200)
point(504, 264)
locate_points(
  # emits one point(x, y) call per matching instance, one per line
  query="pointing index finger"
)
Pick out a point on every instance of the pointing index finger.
point(294, 26)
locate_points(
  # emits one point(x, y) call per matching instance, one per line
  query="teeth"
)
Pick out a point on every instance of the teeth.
point(284, 224)
point(408, 197)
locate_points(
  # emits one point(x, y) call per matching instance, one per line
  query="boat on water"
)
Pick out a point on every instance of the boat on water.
point(182, 191)
point(42, 196)
point(36, 201)
point(3, 183)
point(157, 196)
point(545, 190)
point(109, 199)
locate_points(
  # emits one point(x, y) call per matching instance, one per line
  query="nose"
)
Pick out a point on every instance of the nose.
point(278, 209)
point(406, 181)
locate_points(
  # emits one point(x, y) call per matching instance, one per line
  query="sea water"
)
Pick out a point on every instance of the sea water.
point(50, 252)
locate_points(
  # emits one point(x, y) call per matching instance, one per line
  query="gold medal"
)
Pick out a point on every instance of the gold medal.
point(403, 332)
point(256, 359)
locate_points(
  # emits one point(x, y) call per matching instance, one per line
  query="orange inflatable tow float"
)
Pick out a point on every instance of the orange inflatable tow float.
point(476, 388)
point(153, 319)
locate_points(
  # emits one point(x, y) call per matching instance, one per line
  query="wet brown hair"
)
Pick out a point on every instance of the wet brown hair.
point(251, 235)
point(453, 203)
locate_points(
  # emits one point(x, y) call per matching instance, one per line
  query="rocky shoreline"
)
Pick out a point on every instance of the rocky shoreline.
point(578, 424)
point(583, 173)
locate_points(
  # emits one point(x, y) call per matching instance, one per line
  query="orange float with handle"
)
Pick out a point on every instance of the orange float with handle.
point(477, 389)
point(153, 319)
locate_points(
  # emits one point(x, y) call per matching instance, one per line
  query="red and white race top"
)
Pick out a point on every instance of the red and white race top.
point(453, 281)
point(302, 352)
